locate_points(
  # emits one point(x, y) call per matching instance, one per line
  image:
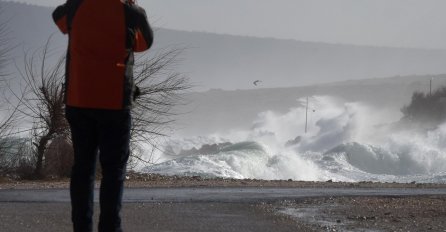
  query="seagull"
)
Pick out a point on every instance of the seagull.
point(256, 82)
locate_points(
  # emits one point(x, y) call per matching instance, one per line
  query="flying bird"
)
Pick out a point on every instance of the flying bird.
point(257, 82)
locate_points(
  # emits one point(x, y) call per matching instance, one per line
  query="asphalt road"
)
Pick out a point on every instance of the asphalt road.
point(176, 209)
point(215, 195)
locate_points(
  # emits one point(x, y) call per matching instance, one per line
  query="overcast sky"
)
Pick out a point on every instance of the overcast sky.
point(401, 23)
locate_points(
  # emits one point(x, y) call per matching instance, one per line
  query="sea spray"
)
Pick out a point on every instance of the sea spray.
point(345, 141)
point(239, 160)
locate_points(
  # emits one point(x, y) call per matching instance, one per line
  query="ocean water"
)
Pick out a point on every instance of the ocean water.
point(345, 141)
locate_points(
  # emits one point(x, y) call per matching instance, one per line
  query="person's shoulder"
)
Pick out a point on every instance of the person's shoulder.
point(135, 9)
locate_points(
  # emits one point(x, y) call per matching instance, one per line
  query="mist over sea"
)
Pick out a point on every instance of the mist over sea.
point(345, 141)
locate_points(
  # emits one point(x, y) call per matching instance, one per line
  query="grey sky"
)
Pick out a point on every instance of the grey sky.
point(401, 23)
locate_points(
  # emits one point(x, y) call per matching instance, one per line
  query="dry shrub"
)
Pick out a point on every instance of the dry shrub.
point(25, 170)
point(59, 158)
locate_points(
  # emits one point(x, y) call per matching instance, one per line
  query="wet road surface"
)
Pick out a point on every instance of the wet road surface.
point(177, 209)
point(222, 195)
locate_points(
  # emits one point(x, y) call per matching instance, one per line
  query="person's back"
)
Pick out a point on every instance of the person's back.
point(99, 90)
point(103, 35)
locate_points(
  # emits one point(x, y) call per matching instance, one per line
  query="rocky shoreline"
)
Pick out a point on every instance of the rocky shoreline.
point(146, 180)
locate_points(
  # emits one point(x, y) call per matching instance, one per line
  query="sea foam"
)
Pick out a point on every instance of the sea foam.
point(345, 141)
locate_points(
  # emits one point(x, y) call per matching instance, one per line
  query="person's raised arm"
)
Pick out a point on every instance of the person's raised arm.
point(60, 17)
point(144, 33)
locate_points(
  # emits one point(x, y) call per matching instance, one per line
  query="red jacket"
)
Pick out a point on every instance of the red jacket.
point(103, 35)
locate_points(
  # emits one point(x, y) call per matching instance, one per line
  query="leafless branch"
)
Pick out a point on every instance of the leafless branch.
point(42, 100)
point(161, 89)
point(8, 112)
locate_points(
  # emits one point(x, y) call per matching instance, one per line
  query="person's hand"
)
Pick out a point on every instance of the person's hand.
point(136, 93)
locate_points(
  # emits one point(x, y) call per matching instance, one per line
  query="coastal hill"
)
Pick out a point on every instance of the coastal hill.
point(224, 67)
point(234, 62)
point(221, 110)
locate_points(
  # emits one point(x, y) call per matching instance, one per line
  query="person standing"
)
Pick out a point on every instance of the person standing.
point(99, 91)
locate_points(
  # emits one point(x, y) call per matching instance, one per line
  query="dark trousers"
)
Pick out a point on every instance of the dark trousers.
point(106, 131)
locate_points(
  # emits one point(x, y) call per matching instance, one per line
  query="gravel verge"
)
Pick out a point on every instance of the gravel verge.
point(412, 213)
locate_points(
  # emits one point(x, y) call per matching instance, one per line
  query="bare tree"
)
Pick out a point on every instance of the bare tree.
point(8, 116)
point(5, 47)
point(43, 103)
point(9, 145)
point(160, 89)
